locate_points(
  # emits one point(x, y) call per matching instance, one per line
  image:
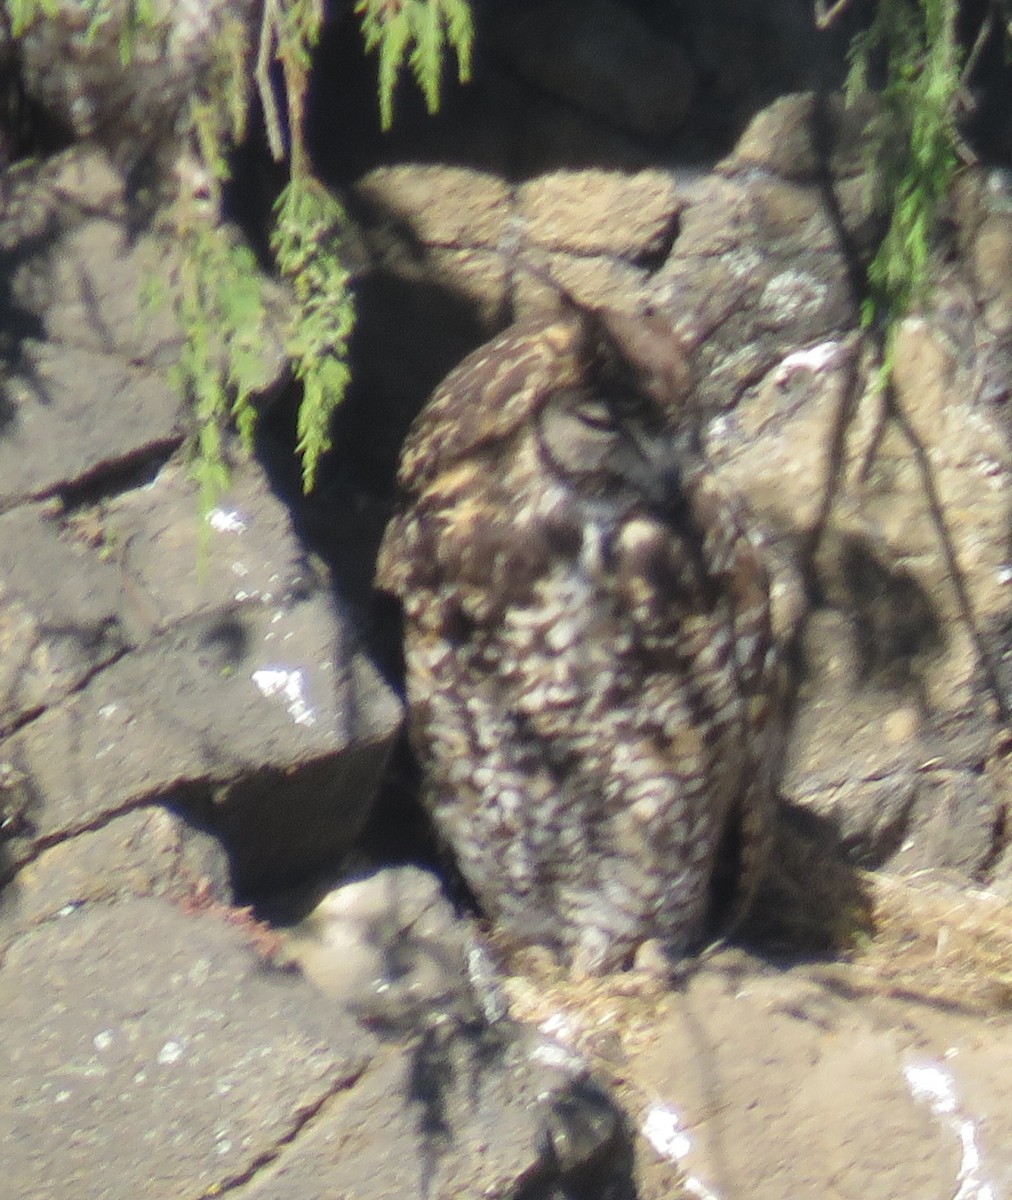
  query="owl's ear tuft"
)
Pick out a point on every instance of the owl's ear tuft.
point(644, 352)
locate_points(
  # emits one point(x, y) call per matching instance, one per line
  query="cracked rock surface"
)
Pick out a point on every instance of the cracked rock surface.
point(144, 663)
point(160, 1042)
point(171, 1077)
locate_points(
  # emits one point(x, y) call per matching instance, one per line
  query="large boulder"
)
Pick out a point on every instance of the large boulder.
point(150, 661)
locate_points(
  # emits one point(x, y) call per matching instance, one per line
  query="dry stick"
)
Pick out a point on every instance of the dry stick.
point(269, 24)
point(825, 17)
point(977, 48)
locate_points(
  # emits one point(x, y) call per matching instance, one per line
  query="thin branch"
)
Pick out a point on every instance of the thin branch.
point(978, 46)
point(825, 17)
point(269, 25)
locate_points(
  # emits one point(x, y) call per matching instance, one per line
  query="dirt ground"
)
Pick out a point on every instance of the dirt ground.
point(879, 1074)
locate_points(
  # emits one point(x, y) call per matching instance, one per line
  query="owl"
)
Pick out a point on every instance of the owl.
point(590, 670)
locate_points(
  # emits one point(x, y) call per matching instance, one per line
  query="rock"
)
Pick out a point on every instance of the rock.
point(146, 662)
point(75, 309)
point(51, 442)
point(183, 1069)
point(464, 1115)
point(386, 945)
point(770, 1080)
point(60, 611)
point(122, 78)
point(762, 263)
point(633, 217)
point(453, 207)
point(237, 684)
point(749, 261)
point(820, 1062)
point(277, 1087)
point(492, 1102)
point(147, 852)
point(983, 203)
point(600, 57)
point(806, 137)
point(205, 1065)
point(898, 711)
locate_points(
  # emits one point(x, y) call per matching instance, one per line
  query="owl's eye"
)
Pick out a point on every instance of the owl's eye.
point(577, 432)
point(596, 415)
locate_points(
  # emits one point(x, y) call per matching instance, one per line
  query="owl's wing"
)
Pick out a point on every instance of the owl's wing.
point(450, 518)
point(487, 397)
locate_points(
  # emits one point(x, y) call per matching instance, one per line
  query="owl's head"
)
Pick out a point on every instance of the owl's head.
point(623, 423)
point(601, 395)
point(551, 427)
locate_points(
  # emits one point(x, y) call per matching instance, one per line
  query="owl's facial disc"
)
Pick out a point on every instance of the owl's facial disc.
point(614, 445)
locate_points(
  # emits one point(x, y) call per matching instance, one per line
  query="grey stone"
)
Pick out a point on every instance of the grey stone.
point(240, 682)
point(147, 852)
point(59, 613)
point(145, 659)
point(602, 58)
point(150, 1049)
point(896, 716)
point(51, 439)
point(464, 1115)
point(87, 386)
point(602, 212)
point(806, 137)
point(124, 79)
point(442, 205)
point(385, 944)
point(173, 1047)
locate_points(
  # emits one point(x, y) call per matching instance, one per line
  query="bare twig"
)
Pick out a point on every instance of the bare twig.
point(269, 30)
point(824, 17)
point(978, 46)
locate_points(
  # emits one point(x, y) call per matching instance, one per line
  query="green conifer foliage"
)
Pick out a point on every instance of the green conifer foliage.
point(917, 40)
point(214, 290)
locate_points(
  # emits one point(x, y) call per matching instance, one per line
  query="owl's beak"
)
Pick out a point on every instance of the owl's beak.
point(663, 458)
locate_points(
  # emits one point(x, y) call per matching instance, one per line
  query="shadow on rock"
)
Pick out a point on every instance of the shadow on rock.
point(896, 621)
point(813, 902)
point(479, 1088)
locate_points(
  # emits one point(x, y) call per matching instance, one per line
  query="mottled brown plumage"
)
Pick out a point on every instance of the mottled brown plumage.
point(589, 659)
